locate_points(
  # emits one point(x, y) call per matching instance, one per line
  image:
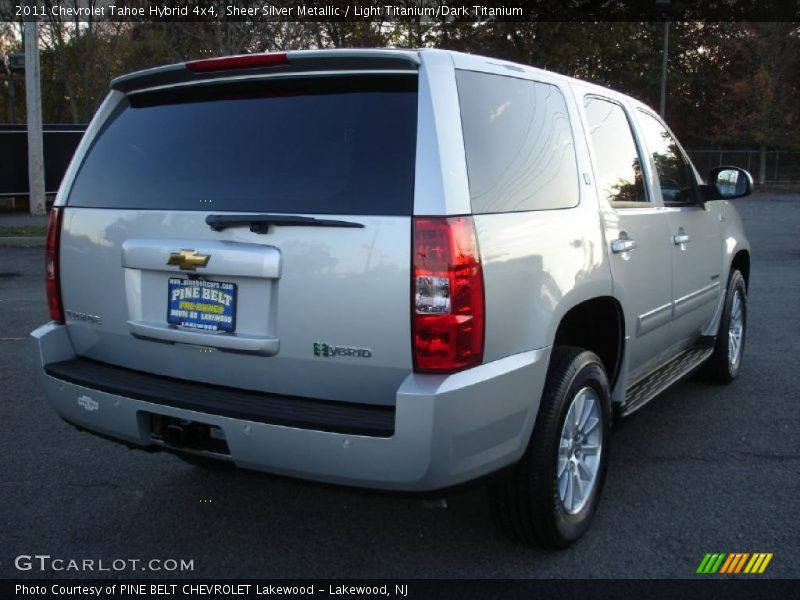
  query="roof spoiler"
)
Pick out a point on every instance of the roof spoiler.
point(268, 63)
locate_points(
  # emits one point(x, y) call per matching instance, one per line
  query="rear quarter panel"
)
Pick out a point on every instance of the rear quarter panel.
point(537, 265)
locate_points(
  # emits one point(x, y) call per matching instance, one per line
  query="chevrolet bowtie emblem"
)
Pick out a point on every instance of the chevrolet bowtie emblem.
point(188, 260)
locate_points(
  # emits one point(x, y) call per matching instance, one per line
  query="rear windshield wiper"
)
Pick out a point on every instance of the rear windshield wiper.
point(261, 223)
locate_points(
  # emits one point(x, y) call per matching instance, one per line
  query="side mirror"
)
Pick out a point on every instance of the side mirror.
point(731, 182)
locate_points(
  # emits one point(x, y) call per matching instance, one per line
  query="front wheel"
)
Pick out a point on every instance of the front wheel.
point(550, 496)
point(726, 361)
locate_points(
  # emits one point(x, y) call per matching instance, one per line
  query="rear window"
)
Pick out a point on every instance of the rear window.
point(329, 145)
point(519, 147)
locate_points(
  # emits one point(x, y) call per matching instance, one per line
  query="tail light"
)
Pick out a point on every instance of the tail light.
point(52, 282)
point(241, 61)
point(448, 311)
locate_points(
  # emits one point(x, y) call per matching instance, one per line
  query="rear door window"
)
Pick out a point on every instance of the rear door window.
point(329, 145)
point(619, 165)
point(672, 168)
point(519, 146)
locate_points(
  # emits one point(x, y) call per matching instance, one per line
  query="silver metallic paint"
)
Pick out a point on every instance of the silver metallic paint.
point(352, 287)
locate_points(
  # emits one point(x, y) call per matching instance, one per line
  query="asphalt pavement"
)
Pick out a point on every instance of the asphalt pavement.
point(701, 469)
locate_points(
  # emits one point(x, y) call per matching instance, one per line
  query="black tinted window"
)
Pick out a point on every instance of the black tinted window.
point(332, 145)
point(672, 169)
point(519, 146)
point(619, 168)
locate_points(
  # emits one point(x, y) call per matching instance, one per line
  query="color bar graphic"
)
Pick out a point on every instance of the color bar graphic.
point(711, 562)
point(734, 562)
point(758, 563)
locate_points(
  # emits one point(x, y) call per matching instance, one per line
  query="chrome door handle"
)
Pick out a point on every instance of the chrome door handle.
point(681, 238)
point(623, 245)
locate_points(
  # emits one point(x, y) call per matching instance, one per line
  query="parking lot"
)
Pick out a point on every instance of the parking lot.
point(701, 469)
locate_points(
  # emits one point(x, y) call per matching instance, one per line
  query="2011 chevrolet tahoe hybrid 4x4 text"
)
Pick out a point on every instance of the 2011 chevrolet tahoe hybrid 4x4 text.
point(400, 270)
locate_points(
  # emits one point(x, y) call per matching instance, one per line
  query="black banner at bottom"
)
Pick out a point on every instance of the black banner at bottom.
point(586, 589)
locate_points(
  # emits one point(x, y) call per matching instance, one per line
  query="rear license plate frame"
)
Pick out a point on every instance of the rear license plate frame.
point(198, 323)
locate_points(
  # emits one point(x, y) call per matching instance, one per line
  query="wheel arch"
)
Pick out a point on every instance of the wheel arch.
point(741, 263)
point(598, 325)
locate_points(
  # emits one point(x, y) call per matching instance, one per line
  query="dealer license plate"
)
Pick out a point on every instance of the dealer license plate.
point(202, 304)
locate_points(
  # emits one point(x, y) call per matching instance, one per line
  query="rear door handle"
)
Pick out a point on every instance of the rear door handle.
point(681, 238)
point(623, 245)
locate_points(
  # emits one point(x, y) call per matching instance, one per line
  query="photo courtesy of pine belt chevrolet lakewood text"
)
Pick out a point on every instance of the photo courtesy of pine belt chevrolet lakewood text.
point(387, 269)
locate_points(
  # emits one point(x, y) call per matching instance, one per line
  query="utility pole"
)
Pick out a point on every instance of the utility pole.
point(33, 100)
point(664, 53)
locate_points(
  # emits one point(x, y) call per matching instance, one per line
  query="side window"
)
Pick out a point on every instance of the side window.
point(619, 166)
point(671, 167)
point(518, 144)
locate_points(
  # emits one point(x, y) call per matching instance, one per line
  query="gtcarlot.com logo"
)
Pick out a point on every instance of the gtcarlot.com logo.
point(725, 563)
point(45, 562)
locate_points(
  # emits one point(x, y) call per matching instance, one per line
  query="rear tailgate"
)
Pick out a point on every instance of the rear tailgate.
point(308, 293)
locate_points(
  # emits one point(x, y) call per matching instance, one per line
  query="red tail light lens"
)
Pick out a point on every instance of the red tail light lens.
point(52, 282)
point(241, 61)
point(448, 312)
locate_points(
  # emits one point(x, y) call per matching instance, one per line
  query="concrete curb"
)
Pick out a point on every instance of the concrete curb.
point(21, 241)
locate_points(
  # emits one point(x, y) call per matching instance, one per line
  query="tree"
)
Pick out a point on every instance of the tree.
point(12, 97)
point(733, 84)
point(759, 98)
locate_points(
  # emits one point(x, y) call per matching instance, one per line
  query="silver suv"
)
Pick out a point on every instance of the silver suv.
point(400, 270)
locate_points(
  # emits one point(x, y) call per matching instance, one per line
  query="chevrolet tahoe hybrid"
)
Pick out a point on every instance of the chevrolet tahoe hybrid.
point(398, 270)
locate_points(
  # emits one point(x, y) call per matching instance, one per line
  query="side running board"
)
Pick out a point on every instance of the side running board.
point(644, 390)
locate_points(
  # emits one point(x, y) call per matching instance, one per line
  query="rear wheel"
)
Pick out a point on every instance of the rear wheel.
point(726, 361)
point(550, 496)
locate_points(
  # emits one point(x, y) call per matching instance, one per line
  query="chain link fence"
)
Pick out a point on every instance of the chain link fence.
point(780, 166)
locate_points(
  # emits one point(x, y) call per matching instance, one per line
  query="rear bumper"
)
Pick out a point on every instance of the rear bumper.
point(447, 429)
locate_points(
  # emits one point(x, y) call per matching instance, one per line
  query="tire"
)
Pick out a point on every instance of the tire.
point(533, 503)
point(725, 362)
